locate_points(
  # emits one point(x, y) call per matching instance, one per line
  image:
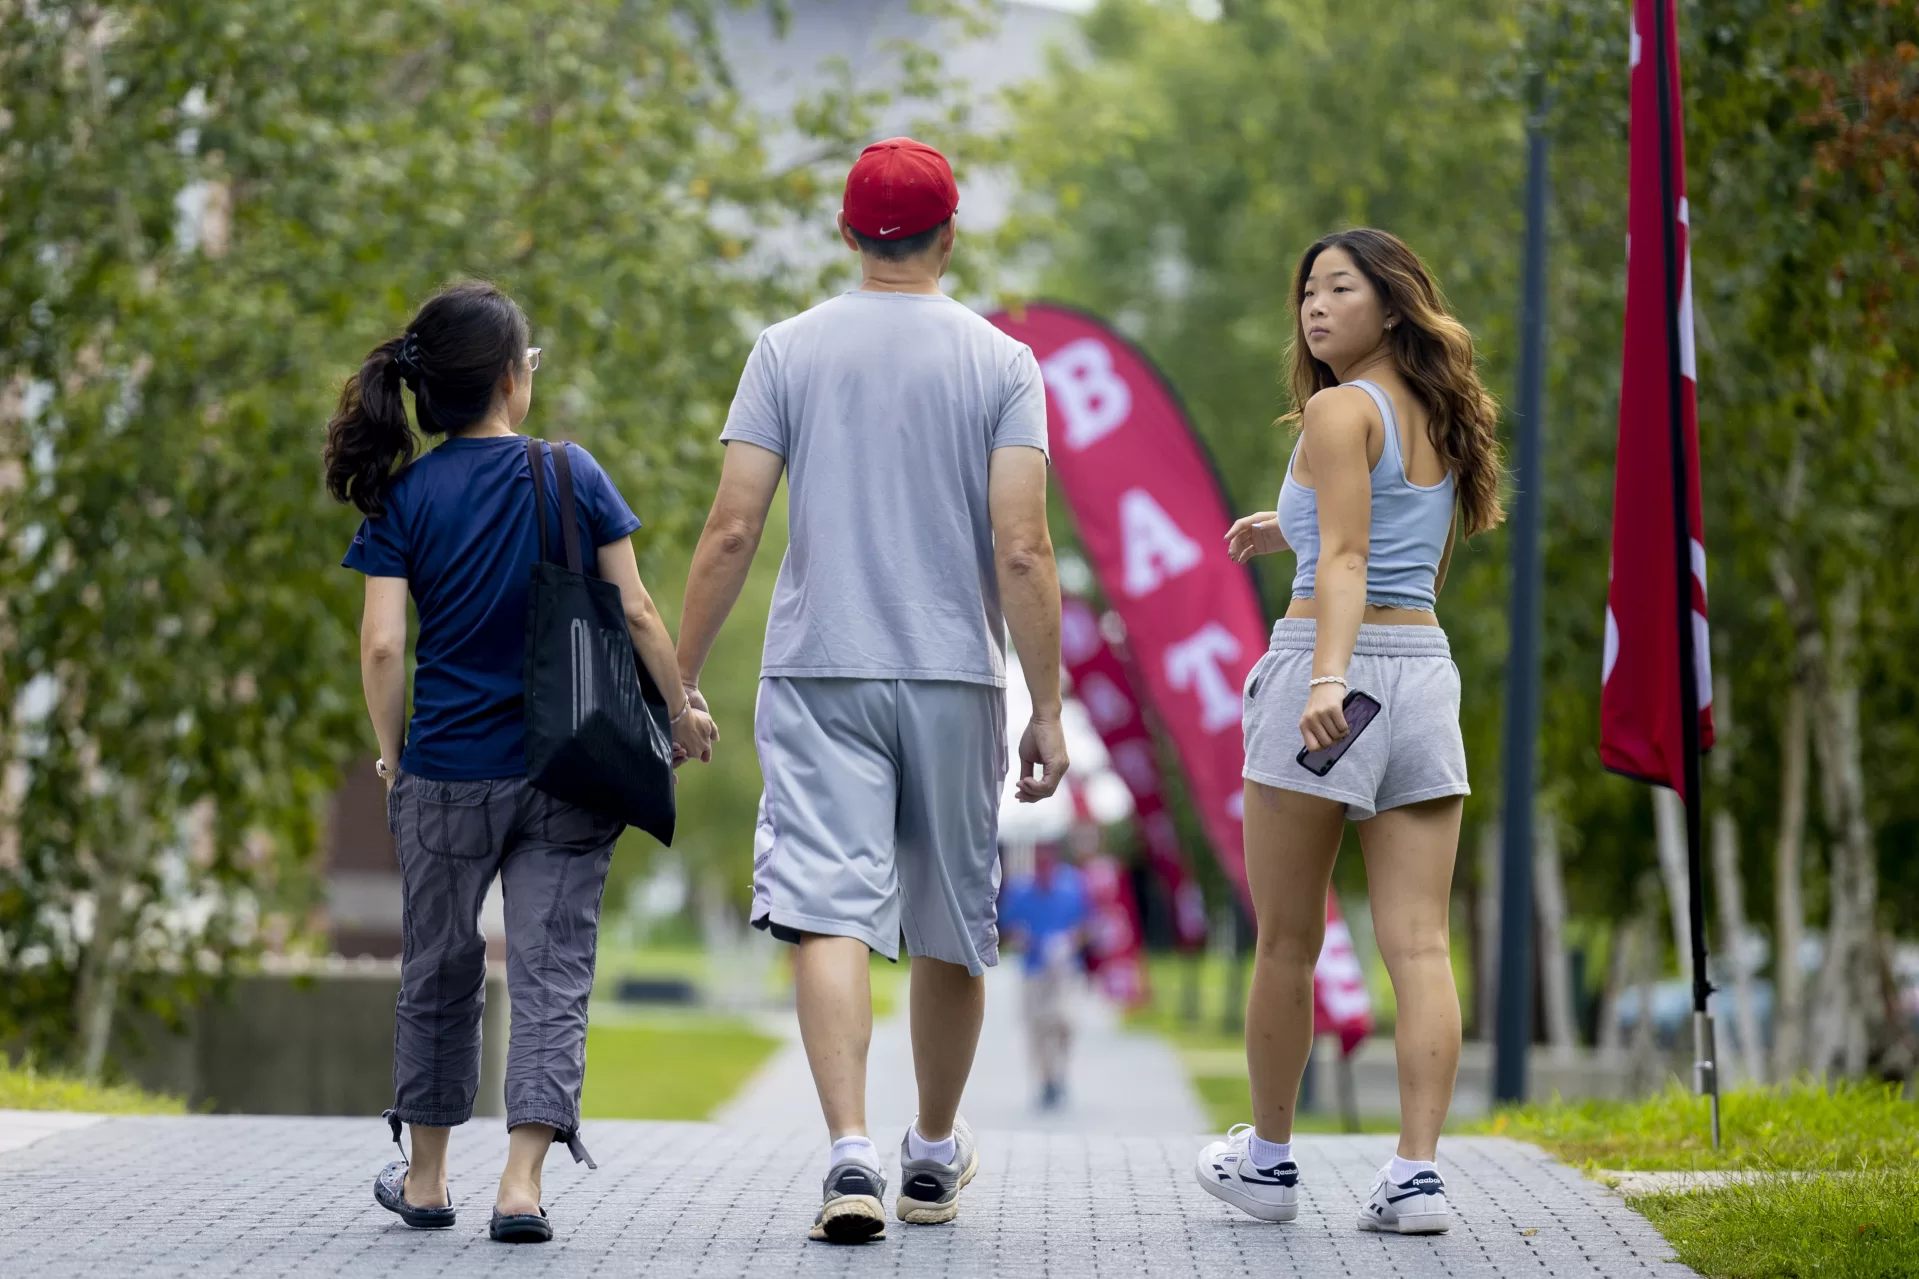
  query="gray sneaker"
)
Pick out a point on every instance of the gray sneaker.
point(929, 1189)
point(852, 1211)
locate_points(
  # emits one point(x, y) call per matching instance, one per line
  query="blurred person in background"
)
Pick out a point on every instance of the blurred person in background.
point(1045, 914)
point(1396, 453)
point(912, 434)
point(455, 529)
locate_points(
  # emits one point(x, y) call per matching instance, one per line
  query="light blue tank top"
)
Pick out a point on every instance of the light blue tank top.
point(1409, 526)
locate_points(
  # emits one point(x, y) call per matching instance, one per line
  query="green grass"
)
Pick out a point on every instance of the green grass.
point(1856, 1225)
point(1837, 1185)
point(24, 1088)
point(668, 1067)
point(1803, 1126)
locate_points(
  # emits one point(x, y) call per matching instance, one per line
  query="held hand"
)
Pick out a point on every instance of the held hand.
point(1042, 747)
point(1255, 534)
point(695, 735)
point(1325, 719)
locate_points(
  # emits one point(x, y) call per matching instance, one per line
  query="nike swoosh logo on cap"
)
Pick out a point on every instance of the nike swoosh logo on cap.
point(888, 230)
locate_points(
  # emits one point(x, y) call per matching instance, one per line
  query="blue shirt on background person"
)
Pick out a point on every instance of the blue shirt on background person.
point(1047, 909)
point(459, 527)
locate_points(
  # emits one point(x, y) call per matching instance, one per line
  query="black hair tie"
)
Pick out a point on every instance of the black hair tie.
point(407, 358)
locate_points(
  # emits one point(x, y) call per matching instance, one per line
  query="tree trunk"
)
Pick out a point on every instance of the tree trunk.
point(1645, 1074)
point(1620, 967)
point(1789, 929)
point(1851, 1011)
point(1486, 972)
point(1729, 887)
point(1669, 823)
point(1549, 898)
point(97, 988)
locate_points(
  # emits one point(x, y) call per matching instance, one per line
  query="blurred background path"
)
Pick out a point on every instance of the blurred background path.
point(1122, 1081)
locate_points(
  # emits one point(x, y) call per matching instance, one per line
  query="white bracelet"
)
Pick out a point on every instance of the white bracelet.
point(1330, 679)
point(684, 712)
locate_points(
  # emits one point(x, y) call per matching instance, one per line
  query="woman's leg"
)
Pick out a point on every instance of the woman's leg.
point(1409, 867)
point(1291, 841)
point(447, 856)
point(551, 880)
point(425, 1185)
point(525, 1158)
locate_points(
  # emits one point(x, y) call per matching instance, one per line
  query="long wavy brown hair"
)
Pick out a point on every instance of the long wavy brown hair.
point(1434, 352)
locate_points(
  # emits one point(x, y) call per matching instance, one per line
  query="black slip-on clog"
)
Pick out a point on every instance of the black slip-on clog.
point(520, 1227)
point(389, 1191)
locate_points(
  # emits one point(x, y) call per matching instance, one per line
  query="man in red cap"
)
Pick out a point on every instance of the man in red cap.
point(912, 435)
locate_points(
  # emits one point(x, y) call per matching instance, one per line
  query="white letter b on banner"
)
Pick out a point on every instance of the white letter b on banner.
point(1094, 400)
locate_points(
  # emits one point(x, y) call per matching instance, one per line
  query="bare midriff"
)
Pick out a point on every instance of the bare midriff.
point(1375, 615)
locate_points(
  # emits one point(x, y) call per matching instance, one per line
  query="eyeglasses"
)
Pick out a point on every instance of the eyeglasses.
point(532, 359)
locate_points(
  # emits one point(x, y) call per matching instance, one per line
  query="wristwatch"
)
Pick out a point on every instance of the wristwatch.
point(386, 774)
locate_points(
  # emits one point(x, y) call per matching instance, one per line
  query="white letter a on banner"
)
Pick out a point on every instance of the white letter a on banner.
point(1156, 549)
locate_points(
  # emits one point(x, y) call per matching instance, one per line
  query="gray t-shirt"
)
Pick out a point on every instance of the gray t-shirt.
point(886, 407)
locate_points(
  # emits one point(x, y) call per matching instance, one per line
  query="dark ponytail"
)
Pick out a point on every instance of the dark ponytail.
point(452, 356)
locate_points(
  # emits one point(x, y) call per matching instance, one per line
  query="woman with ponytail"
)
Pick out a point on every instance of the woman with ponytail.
point(455, 529)
point(1353, 713)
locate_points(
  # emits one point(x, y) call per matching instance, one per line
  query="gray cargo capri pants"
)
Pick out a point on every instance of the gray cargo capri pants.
point(552, 858)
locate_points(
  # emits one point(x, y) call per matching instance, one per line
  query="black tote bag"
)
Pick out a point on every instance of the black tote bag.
point(596, 724)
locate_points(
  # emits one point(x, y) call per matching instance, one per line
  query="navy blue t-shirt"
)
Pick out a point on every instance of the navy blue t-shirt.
point(459, 528)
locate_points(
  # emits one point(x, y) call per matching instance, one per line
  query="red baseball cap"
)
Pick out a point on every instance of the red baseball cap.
point(898, 188)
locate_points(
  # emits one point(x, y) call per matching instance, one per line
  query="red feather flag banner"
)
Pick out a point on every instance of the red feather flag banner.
point(1150, 512)
point(1104, 685)
point(1641, 729)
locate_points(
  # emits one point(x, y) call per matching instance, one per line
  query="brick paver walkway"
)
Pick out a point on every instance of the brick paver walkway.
point(208, 1197)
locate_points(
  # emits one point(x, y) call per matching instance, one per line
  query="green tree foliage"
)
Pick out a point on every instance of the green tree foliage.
point(209, 211)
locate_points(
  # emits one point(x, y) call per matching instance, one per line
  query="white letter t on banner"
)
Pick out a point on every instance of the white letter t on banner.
point(1194, 663)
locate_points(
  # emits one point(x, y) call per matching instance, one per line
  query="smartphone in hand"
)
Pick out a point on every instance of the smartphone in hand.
point(1359, 708)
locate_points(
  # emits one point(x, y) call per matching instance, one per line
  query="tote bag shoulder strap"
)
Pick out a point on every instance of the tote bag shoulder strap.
point(569, 508)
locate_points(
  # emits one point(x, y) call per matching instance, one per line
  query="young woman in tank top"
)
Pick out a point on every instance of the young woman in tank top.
point(1396, 456)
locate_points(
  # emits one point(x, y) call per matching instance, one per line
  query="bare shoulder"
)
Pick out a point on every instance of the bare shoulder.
point(1340, 414)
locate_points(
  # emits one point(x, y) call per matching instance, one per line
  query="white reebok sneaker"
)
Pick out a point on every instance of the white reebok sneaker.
point(1225, 1171)
point(1416, 1207)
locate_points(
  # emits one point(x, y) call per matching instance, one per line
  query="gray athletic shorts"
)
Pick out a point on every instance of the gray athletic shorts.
point(1411, 751)
point(881, 814)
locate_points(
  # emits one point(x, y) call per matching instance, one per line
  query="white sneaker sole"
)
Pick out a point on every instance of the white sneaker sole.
point(1416, 1223)
point(918, 1212)
point(850, 1219)
point(1229, 1192)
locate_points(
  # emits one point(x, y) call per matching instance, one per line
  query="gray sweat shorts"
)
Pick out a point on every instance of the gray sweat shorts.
point(880, 814)
point(1411, 751)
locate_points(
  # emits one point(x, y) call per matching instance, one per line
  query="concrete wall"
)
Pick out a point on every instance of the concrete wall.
point(318, 1043)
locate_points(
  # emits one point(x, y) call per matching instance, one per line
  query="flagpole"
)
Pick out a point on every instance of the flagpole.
point(1705, 1068)
point(1512, 1024)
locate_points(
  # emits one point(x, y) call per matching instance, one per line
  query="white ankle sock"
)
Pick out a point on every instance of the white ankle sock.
point(1269, 1154)
point(860, 1148)
point(918, 1147)
point(1404, 1170)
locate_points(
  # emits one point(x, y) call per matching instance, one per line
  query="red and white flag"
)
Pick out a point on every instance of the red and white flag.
point(1639, 714)
point(1341, 1005)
